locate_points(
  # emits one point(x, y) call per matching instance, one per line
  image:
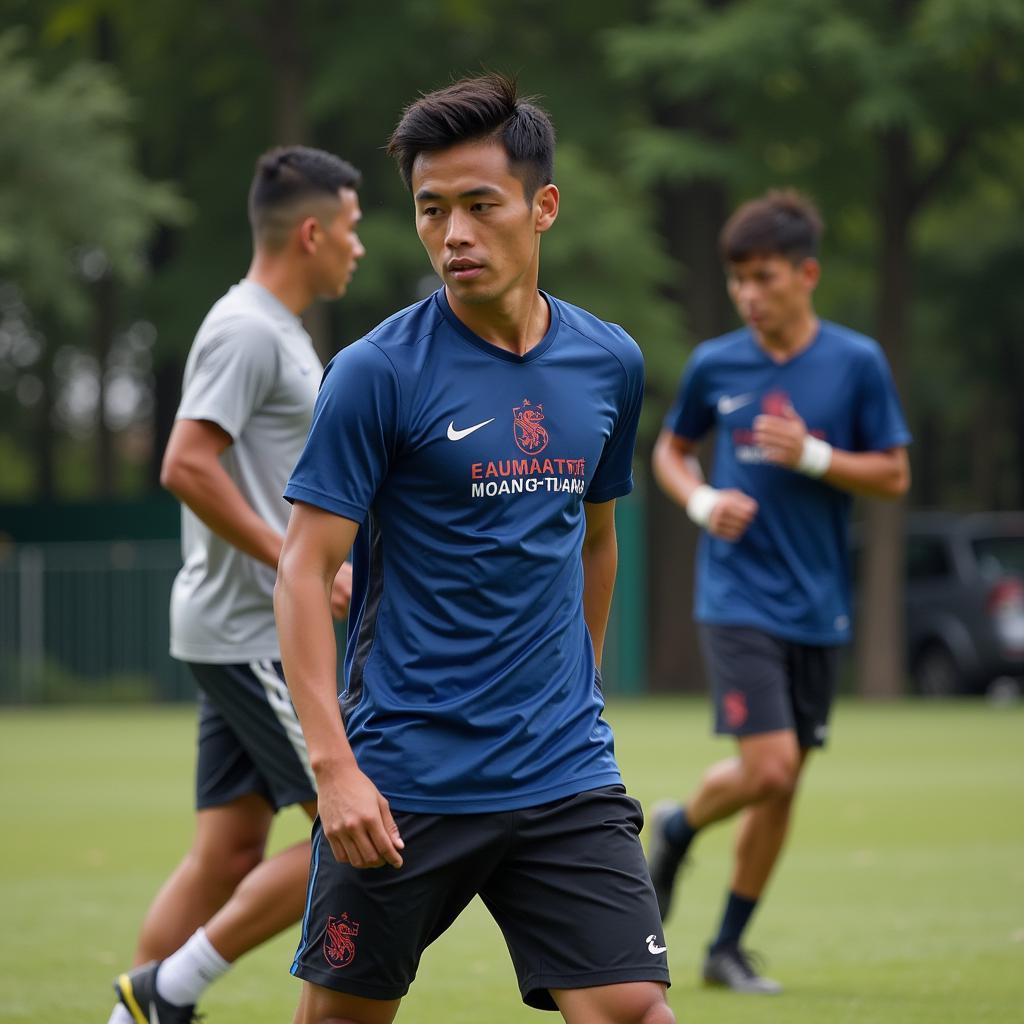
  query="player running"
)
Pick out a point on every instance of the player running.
point(805, 415)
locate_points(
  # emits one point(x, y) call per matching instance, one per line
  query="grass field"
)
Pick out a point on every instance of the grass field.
point(900, 899)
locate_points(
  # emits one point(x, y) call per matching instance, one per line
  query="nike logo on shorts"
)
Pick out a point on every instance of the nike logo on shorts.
point(653, 947)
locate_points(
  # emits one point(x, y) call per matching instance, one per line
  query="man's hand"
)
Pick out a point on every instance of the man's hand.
point(781, 438)
point(341, 591)
point(357, 821)
point(734, 511)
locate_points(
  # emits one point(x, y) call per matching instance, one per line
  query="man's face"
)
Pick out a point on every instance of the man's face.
point(339, 248)
point(771, 292)
point(479, 230)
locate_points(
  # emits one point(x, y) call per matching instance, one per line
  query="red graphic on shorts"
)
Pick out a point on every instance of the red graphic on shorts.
point(530, 435)
point(339, 949)
point(775, 403)
point(734, 704)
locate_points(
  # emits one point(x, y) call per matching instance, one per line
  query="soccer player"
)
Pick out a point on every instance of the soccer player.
point(247, 401)
point(477, 442)
point(805, 415)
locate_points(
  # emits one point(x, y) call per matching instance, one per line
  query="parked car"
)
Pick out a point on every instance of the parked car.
point(964, 601)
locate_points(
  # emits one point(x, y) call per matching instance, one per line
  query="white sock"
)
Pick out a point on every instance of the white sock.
point(184, 975)
point(121, 1015)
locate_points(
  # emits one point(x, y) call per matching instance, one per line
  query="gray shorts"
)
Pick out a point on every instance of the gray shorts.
point(566, 882)
point(250, 740)
point(762, 683)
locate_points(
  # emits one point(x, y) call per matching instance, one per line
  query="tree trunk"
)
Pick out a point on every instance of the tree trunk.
point(166, 395)
point(880, 620)
point(104, 321)
point(691, 218)
point(43, 441)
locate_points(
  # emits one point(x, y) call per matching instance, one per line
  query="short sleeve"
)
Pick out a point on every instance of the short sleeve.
point(879, 423)
point(235, 370)
point(613, 477)
point(354, 434)
point(691, 416)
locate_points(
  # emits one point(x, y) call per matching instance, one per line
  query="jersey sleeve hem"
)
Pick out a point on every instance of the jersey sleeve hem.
point(337, 506)
point(609, 491)
point(214, 416)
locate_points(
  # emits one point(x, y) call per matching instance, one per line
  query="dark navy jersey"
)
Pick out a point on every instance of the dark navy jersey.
point(789, 573)
point(470, 677)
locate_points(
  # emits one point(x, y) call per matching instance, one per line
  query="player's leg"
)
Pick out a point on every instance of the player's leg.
point(228, 843)
point(811, 674)
point(319, 1005)
point(254, 700)
point(750, 690)
point(268, 900)
point(638, 1002)
point(574, 901)
point(762, 832)
point(252, 761)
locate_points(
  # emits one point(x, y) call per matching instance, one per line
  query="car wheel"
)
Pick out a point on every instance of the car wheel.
point(936, 673)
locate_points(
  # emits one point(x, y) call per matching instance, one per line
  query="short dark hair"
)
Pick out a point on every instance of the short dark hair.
point(286, 178)
point(476, 109)
point(782, 222)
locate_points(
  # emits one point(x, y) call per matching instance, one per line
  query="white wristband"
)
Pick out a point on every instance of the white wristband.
point(701, 504)
point(816, 457)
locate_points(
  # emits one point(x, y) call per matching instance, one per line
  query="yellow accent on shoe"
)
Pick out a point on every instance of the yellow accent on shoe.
point(124, 986)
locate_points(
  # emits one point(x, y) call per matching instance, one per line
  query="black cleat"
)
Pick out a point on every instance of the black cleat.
point(737, 969)
point(664, 859)
point(137, 991)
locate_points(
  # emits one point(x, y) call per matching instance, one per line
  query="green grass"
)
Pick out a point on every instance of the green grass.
point(900, 898)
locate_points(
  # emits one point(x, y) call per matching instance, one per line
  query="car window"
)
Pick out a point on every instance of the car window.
point(927, 558)
point(999, 556)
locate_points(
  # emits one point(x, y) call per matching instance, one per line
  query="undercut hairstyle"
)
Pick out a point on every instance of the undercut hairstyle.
point(288, 185)
point(477, 110)
point(782, 222)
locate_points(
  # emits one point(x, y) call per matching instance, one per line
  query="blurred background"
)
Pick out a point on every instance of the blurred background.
point(128, 135)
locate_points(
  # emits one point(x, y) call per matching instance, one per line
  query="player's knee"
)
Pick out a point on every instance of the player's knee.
point(658, 1013)
point(226, 868)
point(774, 779)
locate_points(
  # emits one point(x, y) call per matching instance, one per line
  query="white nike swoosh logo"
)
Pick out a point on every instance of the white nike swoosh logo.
point(458, 435)
point(727, 405)
point(652, 947)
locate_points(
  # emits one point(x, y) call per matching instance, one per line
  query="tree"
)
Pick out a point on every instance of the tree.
point(71, 199)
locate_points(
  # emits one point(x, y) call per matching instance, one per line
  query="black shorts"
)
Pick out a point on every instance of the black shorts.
point(566, 882)
point(762, 683)
point(250, 740)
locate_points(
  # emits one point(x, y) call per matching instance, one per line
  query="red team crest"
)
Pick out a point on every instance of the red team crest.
point(529, 434)
point(339, 947)
point(734, 703)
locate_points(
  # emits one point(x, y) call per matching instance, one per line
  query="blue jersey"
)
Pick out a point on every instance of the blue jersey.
point(470, 676)
point(789, 574)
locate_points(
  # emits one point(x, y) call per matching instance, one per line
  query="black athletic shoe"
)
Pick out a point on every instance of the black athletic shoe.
point(137, 990)
point(737, 969)
point(664, 858)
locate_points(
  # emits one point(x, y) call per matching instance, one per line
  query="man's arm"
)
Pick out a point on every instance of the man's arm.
point(355, 817)
point(723, 513)
point(600, 564)
point(876, 474)
point(193, 473)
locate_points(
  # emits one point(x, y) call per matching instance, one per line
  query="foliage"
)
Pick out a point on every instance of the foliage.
point(72, 202)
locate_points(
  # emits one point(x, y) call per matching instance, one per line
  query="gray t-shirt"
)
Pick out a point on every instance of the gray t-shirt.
point(253, 371)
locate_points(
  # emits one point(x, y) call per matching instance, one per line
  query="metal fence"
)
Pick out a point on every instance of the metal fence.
point(88, 622)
